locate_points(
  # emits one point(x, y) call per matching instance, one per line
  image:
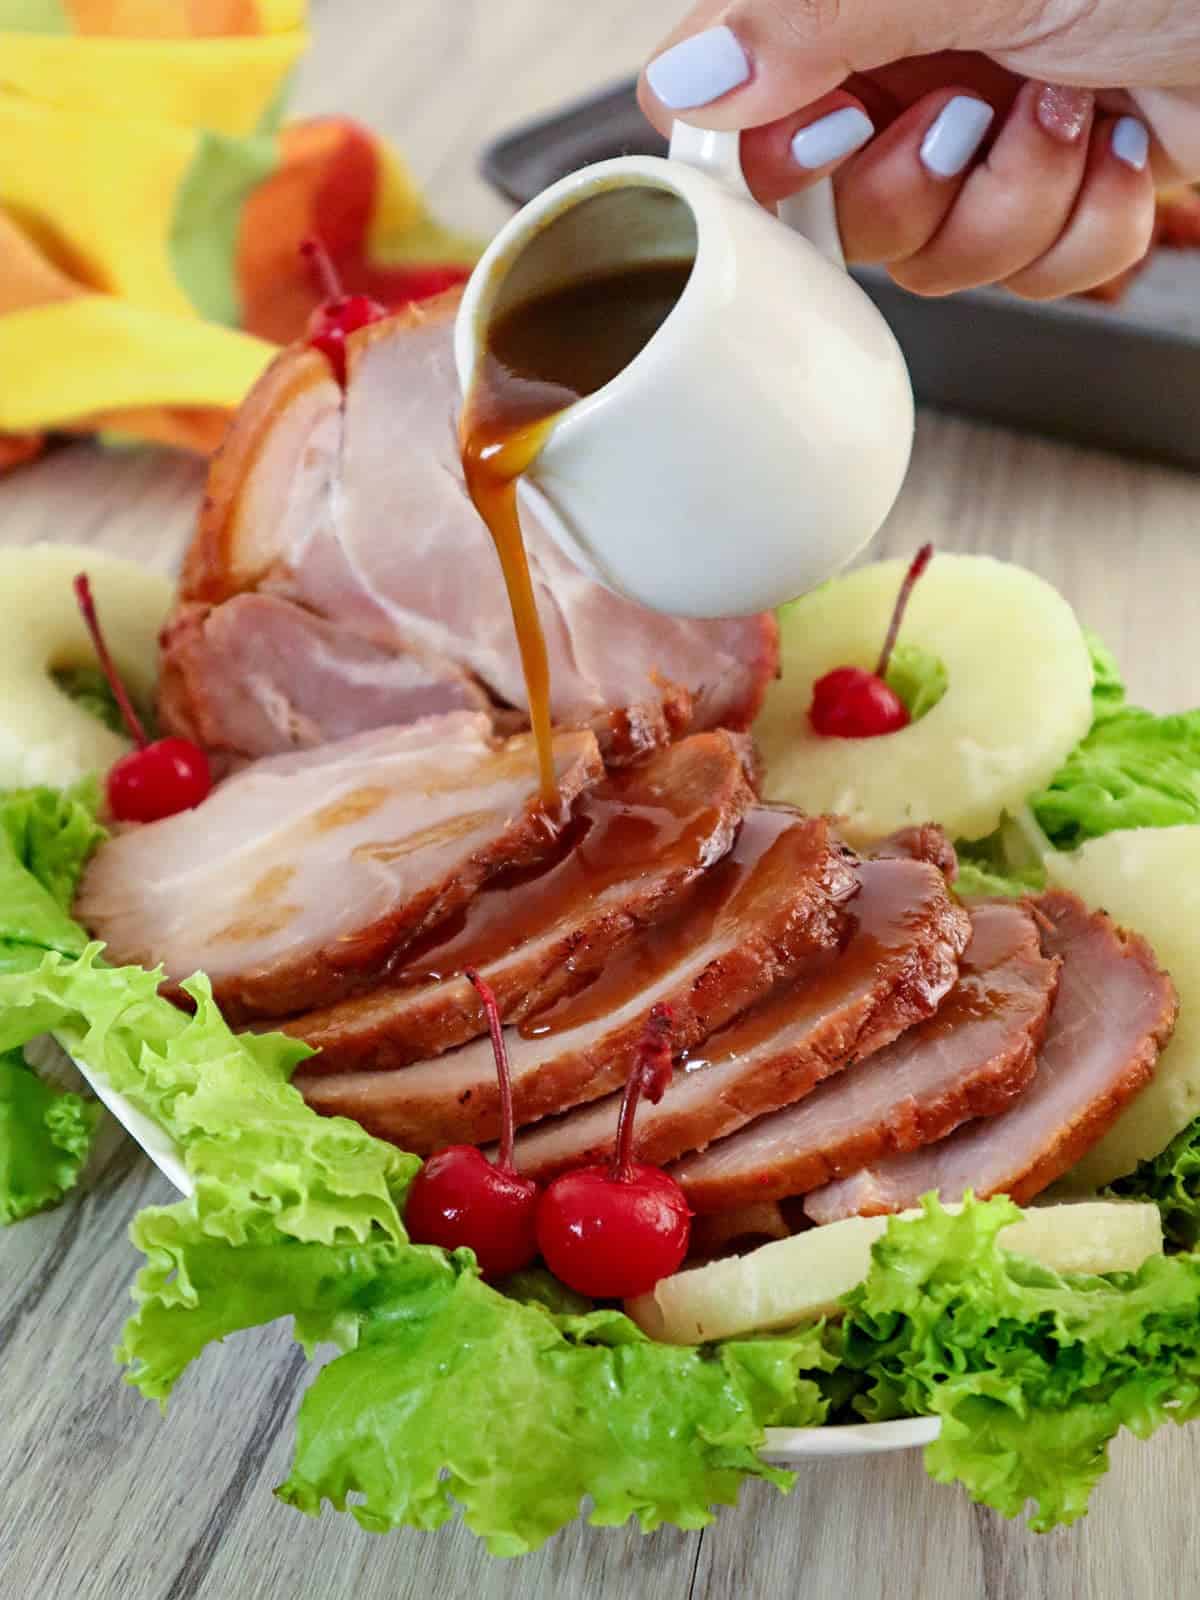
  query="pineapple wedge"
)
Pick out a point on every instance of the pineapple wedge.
point(1018, 698)
point(44, 736)
point(1147, 879)
point(799, 1279)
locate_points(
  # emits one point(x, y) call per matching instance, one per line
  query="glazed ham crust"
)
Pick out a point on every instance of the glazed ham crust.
point(639, 841)
point(351, 507)
point(897, 961)
point(970, 1059)
point(760, 914)
point(1113, 1012)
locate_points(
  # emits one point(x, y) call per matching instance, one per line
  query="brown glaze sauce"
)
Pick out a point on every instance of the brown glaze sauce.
point(609, 842)
point(540, 357)
point(877, 923)
point(712, 902)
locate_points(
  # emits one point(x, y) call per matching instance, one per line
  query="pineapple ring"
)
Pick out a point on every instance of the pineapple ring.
point(44, 736)
point(799, 1279)
point(1147, 879)
point(1018, 698)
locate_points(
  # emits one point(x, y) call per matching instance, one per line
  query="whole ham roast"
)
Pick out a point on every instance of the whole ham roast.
point(341, 580)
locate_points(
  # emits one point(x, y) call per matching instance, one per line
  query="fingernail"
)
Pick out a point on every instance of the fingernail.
point(1131, 142)
point(956, 135)
point(832, 137)
point(699, 70)
point(1063, 112)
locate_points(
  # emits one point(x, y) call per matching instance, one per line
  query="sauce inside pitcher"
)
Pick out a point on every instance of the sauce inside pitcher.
point(540, 356)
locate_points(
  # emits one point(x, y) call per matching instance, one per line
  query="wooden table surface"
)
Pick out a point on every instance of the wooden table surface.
point(101, 1498)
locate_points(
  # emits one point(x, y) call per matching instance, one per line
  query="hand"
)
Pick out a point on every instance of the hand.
point(993, 142)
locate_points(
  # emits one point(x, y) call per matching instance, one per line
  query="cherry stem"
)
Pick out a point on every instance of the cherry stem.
point(650, 1076)
point(326, 274)
point(504, 1160)
point(916, 567)
point(87, 607)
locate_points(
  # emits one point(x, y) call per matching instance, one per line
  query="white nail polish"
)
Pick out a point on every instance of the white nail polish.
point(832, 137)
point(955, 136)
point(1131, 142)
point(698, 70)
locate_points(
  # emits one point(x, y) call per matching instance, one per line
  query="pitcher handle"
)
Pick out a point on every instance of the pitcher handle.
point(812, 213)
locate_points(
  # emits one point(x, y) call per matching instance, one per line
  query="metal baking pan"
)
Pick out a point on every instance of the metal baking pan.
point(1124, 377)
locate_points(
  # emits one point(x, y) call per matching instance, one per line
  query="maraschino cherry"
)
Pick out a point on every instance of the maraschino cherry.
point(460, 1198)
point(613, 1231)
point(851, 703)
point(157, 779)
point(341, 314)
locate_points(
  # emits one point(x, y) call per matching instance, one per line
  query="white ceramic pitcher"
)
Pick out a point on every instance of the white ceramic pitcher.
point(758, 440)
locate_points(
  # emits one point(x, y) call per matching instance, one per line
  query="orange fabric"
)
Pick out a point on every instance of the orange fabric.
point(154, 19)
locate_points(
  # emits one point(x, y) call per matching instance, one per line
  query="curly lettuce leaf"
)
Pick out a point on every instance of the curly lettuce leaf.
point(1031, 1372)
point(1133, 769)
point(46, 837)
point(91, 690)
point(1108, 687)
point(45, 1136)
point(517, 1416)
point(917, 677)
point(52, 833)
point(261, 1162)
point(1171, 1180)
point(450, 1393)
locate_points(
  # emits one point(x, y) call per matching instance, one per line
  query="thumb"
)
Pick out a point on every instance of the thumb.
point(752, 62)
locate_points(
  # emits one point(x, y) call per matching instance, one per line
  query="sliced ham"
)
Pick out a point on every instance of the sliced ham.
point(1113, 1012)
point(754, 918)
point(900, 958)
point(924, 842)
point(637, 843)
point(354, 507)
point(968, 1060)
point(291, 680)
point(303, 877)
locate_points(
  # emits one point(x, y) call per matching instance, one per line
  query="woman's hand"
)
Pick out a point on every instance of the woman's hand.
point(1000, 143)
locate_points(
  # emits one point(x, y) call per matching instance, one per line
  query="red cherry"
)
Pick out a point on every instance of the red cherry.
point(460, 1198)
point(341, 314)
point(158, 780)
point(851, 703)
point(155, 780)
point(612, 1232)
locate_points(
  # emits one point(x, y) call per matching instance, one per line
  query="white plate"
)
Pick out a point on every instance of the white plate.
point(784, 1446)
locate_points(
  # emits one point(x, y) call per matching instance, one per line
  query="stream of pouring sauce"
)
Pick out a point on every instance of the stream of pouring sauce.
point(540, 357)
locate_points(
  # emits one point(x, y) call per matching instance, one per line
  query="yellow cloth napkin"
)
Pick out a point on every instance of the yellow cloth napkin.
point(152, 208)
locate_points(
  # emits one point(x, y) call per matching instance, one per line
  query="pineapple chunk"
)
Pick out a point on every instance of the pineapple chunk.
point(44, 736)
point(799, 1279)
point(1018, 698)
point(1147, 879)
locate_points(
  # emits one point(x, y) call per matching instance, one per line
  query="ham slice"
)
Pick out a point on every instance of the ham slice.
point(292, 680)
point(753, 918)
point(304, 876)
point(637, 843)
point(923, 842)
point(968, 1060)
point(1113, 1012)
point(905, 936)
point(353, 507)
